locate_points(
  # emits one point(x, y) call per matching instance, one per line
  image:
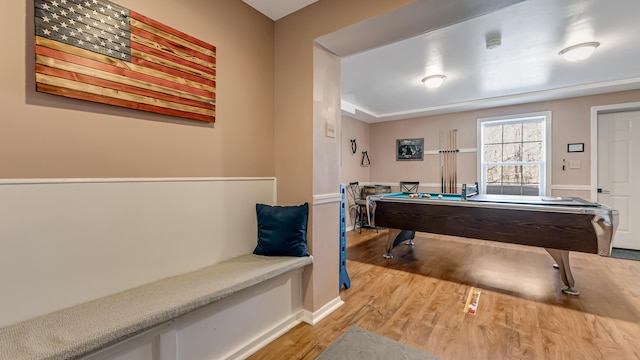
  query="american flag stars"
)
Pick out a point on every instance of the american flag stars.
point(65, 21)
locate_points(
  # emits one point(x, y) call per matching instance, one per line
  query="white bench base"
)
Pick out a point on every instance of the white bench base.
point(189, 316)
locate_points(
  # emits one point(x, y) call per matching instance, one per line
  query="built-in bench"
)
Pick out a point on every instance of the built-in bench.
point(140, 269)
point(93, 325)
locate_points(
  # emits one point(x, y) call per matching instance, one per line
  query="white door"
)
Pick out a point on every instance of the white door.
point(619, 171)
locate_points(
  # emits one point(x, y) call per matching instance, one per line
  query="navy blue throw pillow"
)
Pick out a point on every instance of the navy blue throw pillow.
point(282, 230)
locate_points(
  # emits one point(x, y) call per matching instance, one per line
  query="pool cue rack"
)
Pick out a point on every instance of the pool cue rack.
point(449, 162)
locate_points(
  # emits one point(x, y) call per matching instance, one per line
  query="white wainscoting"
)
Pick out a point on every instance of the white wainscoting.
point(67, 241)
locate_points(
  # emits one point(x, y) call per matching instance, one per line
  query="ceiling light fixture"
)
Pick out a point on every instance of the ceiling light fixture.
point(434, 81)
point(580, 51)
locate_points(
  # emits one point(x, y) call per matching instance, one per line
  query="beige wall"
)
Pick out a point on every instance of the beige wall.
point(350, 168)
point(294, 112)
point(570, 124)
point(350, 164)
point(325, 225)
point(264, 121)
point(47, 136)
point(294, 39)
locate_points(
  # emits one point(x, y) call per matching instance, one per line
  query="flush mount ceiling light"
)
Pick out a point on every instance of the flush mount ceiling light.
point(493, 41)
point(580, 51)
point(434, 81)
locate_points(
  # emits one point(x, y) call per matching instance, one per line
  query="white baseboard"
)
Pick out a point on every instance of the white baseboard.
point(313, 318)
point(264, 339)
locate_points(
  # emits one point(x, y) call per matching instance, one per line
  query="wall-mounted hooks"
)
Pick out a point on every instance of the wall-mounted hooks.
point(365, 159)
point(354, 147)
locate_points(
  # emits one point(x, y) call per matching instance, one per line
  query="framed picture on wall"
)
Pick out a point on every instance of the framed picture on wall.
point(409, 149)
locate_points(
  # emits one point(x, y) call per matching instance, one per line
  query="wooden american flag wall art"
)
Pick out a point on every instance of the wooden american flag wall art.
point(99, 51)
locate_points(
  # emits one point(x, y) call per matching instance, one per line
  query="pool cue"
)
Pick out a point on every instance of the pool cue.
point(444, 158)
point(446, 161)
point(456, 165)
point(450, 160)
point(455, 161)
point(441, 163)
point(448, 157)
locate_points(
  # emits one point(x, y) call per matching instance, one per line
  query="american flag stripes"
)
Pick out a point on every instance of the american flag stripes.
point(99, 51)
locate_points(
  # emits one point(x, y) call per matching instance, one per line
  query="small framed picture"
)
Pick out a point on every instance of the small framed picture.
point(577, 147)
point(409, 149)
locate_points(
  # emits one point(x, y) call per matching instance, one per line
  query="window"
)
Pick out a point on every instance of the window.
point(514, 156)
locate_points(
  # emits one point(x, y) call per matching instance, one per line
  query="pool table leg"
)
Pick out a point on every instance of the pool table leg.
point(397, 236)
point(561, 258)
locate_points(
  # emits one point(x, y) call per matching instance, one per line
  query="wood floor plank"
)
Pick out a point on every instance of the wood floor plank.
point(418, 297)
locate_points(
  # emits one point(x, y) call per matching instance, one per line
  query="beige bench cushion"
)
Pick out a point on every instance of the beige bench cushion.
point(95, 324)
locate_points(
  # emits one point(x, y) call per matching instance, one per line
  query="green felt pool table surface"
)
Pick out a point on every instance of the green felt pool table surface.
point(423, 195)
point(501, 200)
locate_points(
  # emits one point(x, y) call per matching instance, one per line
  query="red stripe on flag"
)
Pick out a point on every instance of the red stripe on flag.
point(170, 30)
point(172, 45)
point(175, 72)
point(42, 69)
point(119, 71)
point(122, 103)
point(172, 58)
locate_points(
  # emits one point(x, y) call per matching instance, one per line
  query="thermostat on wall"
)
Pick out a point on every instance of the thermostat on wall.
point(579, 147)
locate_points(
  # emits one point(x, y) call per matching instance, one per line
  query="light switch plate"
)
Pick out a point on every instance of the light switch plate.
point(330, 130)
point(574, 164)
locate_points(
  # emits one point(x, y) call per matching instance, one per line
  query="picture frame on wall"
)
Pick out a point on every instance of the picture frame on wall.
point(410, 149)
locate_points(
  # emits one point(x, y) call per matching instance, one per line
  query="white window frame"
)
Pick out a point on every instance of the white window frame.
point(545, 186)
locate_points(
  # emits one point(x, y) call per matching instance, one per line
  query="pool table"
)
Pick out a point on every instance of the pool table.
point(557, 224)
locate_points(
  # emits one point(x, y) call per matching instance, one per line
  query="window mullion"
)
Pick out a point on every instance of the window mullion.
point(513, 176)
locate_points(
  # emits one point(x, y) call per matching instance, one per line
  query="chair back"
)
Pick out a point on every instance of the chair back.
point(353, 192)
point(409, 186)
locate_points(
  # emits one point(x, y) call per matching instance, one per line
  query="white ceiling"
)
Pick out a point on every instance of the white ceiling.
point(385, 58)
point(276, 9)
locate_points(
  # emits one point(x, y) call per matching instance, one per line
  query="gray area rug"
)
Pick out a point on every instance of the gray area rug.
point(625, 254)
point(357, 344)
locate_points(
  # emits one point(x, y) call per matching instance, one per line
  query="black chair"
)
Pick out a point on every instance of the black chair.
point(409, 186)
point(357, 205)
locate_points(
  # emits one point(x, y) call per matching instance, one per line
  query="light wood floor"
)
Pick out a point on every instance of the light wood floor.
point(418, 298)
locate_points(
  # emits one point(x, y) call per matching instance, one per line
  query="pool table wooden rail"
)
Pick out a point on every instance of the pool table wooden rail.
point(571, 232)
point(558, 229)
